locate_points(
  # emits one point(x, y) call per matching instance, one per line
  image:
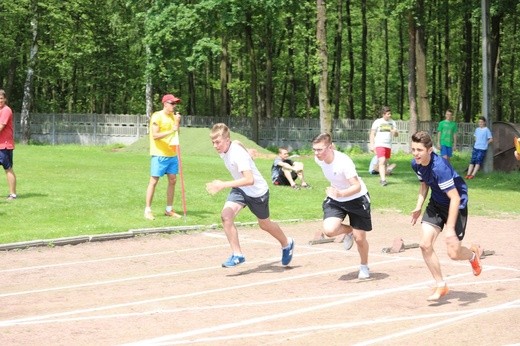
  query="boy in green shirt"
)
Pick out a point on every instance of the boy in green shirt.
point(447, 139)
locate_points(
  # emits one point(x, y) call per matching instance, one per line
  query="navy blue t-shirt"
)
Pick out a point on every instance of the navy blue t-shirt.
point(440, 176)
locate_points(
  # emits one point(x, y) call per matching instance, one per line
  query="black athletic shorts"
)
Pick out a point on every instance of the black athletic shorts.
point(259, 206)
point(437, 215)
point(358, 211)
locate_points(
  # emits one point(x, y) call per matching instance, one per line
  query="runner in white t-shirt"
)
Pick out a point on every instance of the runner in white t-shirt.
point(248, 188)
point(347, 195)
point(381, 134)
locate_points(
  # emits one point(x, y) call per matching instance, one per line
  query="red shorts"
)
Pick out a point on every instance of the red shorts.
point(383, 152)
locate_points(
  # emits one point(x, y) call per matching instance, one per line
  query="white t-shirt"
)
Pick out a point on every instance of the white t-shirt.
point(238, 160)
point(383, 136)
point(339, 171)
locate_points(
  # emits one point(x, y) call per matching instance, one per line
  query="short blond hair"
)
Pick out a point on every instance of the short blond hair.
point(322, 137)
point(220, 130)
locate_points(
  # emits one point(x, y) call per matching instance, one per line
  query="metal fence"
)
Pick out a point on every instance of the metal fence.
point(96, 129)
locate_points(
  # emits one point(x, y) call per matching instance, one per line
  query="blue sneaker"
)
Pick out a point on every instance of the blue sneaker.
point(233, 261)
point(287, 252)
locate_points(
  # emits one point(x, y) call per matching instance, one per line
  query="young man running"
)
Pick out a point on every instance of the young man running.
point(248, 188)
point(347, 195)
point(446, 212)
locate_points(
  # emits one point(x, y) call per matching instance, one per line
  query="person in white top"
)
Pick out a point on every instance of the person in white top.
point(347, 195)
point(248, 188)
point(381, 134)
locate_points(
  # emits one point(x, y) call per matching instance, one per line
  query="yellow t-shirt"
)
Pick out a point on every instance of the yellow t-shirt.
point(164, 146)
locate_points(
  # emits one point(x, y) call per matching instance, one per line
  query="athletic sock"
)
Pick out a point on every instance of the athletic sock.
point(169, 208)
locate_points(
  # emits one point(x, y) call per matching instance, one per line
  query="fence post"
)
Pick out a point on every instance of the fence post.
point(138, 126)
point(53, 132)
point(95, 127)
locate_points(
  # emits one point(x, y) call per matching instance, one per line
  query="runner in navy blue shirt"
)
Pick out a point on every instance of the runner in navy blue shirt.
point(447, 210)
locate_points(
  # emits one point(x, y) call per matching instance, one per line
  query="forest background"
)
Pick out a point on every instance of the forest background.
point(259, 58)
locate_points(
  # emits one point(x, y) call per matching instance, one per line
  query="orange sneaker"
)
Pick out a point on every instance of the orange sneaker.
point(172, 214)
point(475, 264)
point(438, 292)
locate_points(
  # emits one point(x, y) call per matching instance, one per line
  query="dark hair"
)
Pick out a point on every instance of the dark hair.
point(482, 118)
point(422, 137)
point(322, 137)
point(385, 109)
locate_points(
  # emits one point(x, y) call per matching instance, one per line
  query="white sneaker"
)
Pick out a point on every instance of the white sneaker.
point(348, 241)
point(364, 272)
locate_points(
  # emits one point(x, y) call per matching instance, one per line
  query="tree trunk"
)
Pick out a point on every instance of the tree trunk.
point(350, 53)
point(321, 36)
point(269, 87)
point(466, 81)
point(338, 49)
point(494, 57)
point(254, 76)
point(25, 121)
point(289, 80)
point(422, 79)
point(411, 73)
point(400, 63)
point(149, 86)
point(512, 75)
point(364, 54)
point(447, 44)
point(191, 102)
point(387, 55)
point(224, 94)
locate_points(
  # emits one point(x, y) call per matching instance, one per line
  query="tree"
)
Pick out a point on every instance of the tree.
point(321, 37)
point(421, 69)
point(364, 53)
point(258, 58)
point(338, 57)
point(33, 51)
point(412, 39)
point(350, 54)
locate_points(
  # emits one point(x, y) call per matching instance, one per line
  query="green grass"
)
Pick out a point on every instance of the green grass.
point(75, 190)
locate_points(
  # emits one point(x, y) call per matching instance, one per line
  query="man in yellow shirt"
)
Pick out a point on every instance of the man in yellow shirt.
point(164, 136)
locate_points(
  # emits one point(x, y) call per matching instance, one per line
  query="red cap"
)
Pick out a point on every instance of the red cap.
point(170, 99)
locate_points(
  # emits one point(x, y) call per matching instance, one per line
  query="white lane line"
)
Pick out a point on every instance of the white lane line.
point(170, 339)
point(192, 294)
point(151, 276)
point(465, 315)
point(309, 330)
point(241, 305)
point(245, 239)
point(108, 259)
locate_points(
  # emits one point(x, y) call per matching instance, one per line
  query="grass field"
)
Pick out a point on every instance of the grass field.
point(75, 190)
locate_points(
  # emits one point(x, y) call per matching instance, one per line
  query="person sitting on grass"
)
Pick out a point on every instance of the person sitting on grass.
point(285, 171)
point(373, 166)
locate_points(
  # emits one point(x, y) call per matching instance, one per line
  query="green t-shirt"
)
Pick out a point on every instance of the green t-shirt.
point(447, 130)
